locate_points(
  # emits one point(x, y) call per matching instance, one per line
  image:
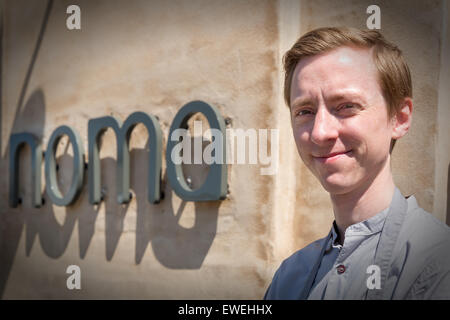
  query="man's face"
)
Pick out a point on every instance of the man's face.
point(339, 118)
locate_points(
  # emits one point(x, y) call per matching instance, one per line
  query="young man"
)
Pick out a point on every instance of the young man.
point(349, 93)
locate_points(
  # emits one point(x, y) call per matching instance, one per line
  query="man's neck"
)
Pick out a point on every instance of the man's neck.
point(364, 202)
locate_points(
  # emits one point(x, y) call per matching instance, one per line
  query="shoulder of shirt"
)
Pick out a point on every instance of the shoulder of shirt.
point(425, 241)
point(303, 255)
point(424, 222)
point(429, 235)
point(292, 274)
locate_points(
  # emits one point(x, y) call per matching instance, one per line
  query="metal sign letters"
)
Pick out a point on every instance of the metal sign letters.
point(214, 187)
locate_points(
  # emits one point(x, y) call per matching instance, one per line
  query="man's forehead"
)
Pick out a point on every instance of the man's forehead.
point(342, 69)
point(343, 57)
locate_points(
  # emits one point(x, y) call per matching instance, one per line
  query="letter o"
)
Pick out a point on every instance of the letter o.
point(215, 185)
point(51, 184)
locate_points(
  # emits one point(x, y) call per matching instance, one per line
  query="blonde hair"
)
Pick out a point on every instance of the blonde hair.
point(393, 73)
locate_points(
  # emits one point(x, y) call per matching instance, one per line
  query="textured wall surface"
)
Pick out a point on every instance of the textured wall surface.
point(155, 56)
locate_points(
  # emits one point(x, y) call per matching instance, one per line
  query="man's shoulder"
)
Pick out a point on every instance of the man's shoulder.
point(291, 276)
point(422, 227)
point(304, 254)
point(423, 255)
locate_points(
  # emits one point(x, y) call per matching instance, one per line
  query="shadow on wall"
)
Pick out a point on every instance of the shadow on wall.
point(13, 220)
point(38, 221)
point(448, 196)
point(11, 223)
point(174, 246)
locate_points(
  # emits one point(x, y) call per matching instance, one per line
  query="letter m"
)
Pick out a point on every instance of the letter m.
point(96, 127)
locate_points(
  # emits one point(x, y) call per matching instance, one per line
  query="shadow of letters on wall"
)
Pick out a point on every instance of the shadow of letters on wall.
point(157, 222)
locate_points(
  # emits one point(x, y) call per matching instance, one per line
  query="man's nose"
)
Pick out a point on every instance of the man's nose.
point(325, 127)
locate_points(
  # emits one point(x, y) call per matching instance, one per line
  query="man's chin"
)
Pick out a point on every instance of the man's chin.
point(336, 186)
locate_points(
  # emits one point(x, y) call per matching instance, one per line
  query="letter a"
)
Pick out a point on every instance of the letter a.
point(373, 21)
point(374, 280)
point(73, 282)
point(74, 20)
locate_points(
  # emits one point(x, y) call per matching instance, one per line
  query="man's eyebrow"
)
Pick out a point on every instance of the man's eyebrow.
point(340, 96)
point(301, 102)
point(331, 98)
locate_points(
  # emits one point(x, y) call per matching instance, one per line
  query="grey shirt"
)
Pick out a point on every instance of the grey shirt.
point(346, 265)
point(411, 253)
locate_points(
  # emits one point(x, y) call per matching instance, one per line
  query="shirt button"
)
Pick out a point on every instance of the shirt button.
point(340, 269)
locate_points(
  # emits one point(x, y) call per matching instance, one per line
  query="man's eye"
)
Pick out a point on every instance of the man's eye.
point(303, 112)
point(347, 106)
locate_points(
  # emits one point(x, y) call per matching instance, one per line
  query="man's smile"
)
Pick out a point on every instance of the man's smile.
point(332, 157)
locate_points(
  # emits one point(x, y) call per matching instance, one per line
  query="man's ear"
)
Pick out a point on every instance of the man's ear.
point(402, 119)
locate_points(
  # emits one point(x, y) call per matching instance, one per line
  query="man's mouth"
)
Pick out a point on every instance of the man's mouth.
point(331, 157)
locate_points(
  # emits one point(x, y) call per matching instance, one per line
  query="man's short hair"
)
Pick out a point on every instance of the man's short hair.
point(394, 76)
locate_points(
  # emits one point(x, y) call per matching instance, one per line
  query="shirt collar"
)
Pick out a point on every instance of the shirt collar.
point(364, 228)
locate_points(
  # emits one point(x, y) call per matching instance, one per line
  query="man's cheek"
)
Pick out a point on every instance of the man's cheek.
point(301, 146)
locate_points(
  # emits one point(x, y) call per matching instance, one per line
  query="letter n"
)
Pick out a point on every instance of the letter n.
point(16, 142)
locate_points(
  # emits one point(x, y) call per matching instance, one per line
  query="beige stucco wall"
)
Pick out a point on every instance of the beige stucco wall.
point(155, 56)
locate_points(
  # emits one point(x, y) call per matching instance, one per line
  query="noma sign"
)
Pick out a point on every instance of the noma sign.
point(214, 187)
